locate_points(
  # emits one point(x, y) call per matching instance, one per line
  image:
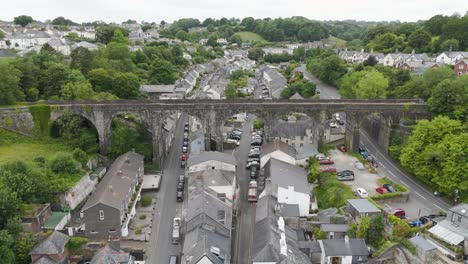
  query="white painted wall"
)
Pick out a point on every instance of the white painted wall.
point(290, 196)
point(204, 260)
point(212, 165)
point(444, 59)
point(279, 155)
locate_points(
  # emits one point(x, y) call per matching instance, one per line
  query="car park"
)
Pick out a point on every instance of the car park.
point(362, 193)
point(328, 169)
point(389, 188)
point(326, 162)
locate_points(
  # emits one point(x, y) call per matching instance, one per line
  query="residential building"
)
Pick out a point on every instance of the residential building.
point(222, 41)
point(296, 133)
point(85, 33)
point(360, 208)
point(274, 81)
point(461, 67)
point(304, 153)
point(390, 59)
point(452, 57)
point(419, 67)
point(289, 184)
point(278, 150)
point(86, 45)
point(426, 250)
point(335, 231)
point(109, 255)
point(211, 160)
point(155, 91)
point(112, 205)
point(151, 33)
point(454, 229)
point(51, 250)
point(60, 45)
point(331, 251)
point(4, 53)
point(24, 38)
point(277, 50)
point(273, 240)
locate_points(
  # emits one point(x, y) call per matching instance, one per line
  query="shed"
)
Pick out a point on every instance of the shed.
point(361, 207)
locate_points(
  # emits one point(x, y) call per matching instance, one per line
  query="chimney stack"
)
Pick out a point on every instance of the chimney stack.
point(412, 52)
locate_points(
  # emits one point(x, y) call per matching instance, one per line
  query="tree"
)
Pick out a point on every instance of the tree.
point(77, 88)
point(426, 153)
point(450, 98)
point(22, 20)
point(2, 35)
point(328, 68)
point(24, 187)
point(230, 91)
point(105, 33)
point(100, 79)
point(9, 206)
point(55, 76)
point(126, 85)
point(62, 21)
point(363, 227)
point(73, 36)
point(258, 124)
point(80, 156)
point(376, 230)
point(435, 24)
point(348, 82)
point(255, 54)
point(212, 41)
point(420, 40)
point(401, 230)
point(23, 247)
point(182, 35)
point(370, 61)
point(119, 36)
point(372, 86)
point(7, 242)
point(450, 44)
point(9, 84)
point(81, 59)
point(162, 72)
point(76, 132)
point(235, 39)
point(146, 200)
point(319, 234)
point(63, 162)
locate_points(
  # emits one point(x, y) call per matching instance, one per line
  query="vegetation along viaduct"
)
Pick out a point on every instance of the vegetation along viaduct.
point(212, 115)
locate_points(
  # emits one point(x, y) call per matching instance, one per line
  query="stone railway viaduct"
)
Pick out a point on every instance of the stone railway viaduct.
point(213, 114)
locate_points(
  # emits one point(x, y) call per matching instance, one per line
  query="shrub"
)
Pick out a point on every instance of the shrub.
point(75, 244)
point(146, 200)
point(401, 230)
point(319, 234)
point(138, 230)
point(142, 217)
point(80, 156)
point(63, 163)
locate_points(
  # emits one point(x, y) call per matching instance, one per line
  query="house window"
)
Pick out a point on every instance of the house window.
point(112, 230)
point(213, 168)
point(459, 218)
point(461, 67)
point(335, 260)
point(101, 215)
point(287, 141)
point(221, 196)
point(93, 232)
point(221, 216)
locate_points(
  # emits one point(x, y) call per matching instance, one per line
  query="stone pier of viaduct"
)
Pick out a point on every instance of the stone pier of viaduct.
point(213, 114)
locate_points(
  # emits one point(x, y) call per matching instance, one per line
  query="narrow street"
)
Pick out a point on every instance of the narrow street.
point(243, 232)
point(160, 245)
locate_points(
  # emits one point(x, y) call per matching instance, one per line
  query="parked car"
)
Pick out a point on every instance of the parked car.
point(333, 125)
point(328, 169)
point(342, 148)
point(183, 163)
point(173, 259)
point(363, 152)
point(253, 172)
point(256, 143)
point(184, 149)
point(359, 165)
point(253, 159)
point(345, 172)
point(362, 193)
point(337, 116)
point(321, 157)
point(326, 162)
point(180, 187)
point(180, 196)
point(182, 179)
point(183, 157)
point(347, 177)
point(340, 122)
point(398, 212)
point(381, 190)
point(252, 164)
point(389, 188)
point(186, 139)
point(186, 129)
point(185, 134)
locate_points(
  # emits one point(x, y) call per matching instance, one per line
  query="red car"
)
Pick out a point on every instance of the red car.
point(326, 162)
point(183, 157)
point(328, 169)
point(398, 212)
point(342, 148)
point(381, 190)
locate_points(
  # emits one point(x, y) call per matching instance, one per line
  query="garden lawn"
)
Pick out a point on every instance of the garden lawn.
point(17, 147)
point(250, 37)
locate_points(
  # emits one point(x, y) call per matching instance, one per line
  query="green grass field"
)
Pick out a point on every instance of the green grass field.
point(17, 147)
point(339, 42)
point(250, 37)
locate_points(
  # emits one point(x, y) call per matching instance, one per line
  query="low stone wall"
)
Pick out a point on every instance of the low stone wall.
point(402, 198)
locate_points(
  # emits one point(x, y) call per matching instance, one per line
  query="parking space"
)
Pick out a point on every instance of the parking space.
point(362, 179)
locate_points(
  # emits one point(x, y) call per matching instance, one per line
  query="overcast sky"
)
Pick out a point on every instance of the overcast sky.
point(169, 10)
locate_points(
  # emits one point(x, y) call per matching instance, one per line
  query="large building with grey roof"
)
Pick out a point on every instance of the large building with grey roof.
point(296, 133)
point(111, 206)
point(51, 250)
point(289, 184)
point(211, 160)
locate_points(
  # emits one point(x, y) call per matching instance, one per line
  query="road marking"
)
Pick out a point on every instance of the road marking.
point(420, 195)
point(381, 165)
point(440, 208)
point(402, 182)
point(392, 174)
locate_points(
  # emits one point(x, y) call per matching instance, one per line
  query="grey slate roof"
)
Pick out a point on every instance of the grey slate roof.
point(422, 243)
point(6, 53)
point(87, 45)
point(334, 227)
point(296, 96)
point(290, 129)
point(289, 210)
point(108, 255)
point(363, 206)
point(284, 174)
point(198, 243)
point(46, 260)
point(306, 151)
point(266, 244)
point(339, 247)
point(276, 83)
point(53, 244)
point(211, 178)
point(211, 155)
point(115, 185)
point(460, 209)
point(277, 145)
point(157, 88)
